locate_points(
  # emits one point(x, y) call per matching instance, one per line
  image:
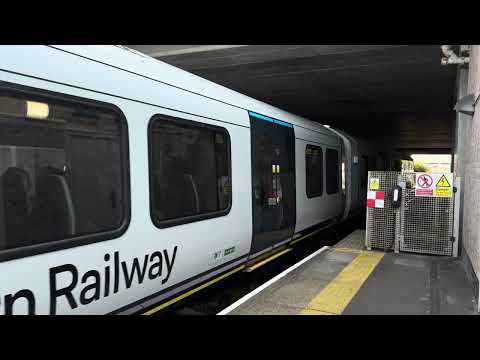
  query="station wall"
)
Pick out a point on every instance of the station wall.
point(471, 206)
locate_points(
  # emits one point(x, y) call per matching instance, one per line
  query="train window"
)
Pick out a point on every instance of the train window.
point(190, 176)
point(332, 171)
point(314, 171)
point(364, 171)
point(62, 175)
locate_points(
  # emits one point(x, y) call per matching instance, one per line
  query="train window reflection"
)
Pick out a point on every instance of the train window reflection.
point(189, 171)
point(60, 170)
point(314, 171)
point(332, 171)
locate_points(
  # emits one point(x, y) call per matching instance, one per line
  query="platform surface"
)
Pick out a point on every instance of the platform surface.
point(349, 280)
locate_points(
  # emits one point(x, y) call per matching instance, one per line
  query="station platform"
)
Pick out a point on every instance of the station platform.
point(346, 279)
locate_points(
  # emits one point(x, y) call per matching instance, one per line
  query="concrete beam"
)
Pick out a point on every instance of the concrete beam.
point(360, 85)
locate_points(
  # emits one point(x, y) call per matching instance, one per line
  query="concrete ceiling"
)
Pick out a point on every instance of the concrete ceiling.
point(397, 94)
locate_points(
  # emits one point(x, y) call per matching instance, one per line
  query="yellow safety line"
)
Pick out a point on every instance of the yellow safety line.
point(188, 293)
point(314, 312)
point(335, 297)
point(267, 260)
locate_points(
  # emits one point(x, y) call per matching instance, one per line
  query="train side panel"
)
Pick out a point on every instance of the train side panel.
point(69, 69)
point(187, 252)
point(319, 209)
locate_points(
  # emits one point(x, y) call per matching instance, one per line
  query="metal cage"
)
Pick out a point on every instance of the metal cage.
point(426, 223)
point(423, 225)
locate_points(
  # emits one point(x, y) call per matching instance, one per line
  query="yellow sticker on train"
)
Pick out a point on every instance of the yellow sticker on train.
point(374, 184)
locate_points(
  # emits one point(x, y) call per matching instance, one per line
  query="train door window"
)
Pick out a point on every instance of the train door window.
point(332, 171)
point(62, 174)
point(363, 171)
point(314, 171)
point(190, 176)
point(344, 179)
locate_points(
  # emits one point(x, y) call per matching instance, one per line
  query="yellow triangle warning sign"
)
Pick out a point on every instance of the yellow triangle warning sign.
point(443, 182)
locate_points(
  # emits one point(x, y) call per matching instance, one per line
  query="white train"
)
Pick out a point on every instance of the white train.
point(128, 184)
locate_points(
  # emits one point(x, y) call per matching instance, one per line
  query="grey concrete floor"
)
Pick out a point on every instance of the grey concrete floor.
point(409, 284)
point(401, 284)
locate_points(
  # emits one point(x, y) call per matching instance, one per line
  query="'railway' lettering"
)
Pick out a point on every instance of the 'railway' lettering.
point(135, 269)
point(65, 291)
point(94, 284)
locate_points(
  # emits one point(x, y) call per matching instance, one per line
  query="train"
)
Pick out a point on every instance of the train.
point(128, 184)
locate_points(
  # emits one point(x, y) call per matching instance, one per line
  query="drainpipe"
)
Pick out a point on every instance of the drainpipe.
point(451, 57)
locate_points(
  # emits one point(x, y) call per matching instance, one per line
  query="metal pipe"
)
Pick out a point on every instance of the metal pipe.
point(451, 57)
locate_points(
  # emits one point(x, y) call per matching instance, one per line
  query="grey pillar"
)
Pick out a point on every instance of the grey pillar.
point(462, 126)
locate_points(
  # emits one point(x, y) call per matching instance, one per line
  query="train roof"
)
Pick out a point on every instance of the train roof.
point(136, 63)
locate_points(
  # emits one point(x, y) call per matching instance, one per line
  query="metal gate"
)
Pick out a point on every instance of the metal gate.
point(418, 224)
point(380, 232)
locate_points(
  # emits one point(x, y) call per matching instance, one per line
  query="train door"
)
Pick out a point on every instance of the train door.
point(362, 191)
point(344, 175)
point(273, 181)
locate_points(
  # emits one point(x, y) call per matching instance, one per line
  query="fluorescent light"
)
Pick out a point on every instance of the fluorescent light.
point(37, 110)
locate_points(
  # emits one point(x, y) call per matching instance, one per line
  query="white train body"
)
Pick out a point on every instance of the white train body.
point(92, 273)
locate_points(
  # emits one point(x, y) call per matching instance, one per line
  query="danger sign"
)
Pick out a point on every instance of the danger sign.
point(433, 185)
point(443, 182)
point(443, 188)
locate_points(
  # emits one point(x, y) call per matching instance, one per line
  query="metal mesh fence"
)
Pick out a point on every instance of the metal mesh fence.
point(421, 224)
point(381, 222)
point(426, 224)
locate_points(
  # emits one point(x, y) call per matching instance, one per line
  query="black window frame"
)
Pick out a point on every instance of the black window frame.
point(309, 195)
point(339, 175)
point(162, 224)
point(80, 240)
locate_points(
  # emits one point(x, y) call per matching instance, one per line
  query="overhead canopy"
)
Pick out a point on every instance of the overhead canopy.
point(397, 94)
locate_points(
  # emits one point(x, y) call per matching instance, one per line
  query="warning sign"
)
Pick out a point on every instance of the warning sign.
point(434, 185)
point(443, 187)
point(374, 184)
point(443, 182)
point(424, 185)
